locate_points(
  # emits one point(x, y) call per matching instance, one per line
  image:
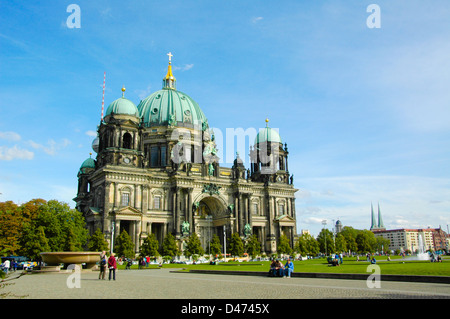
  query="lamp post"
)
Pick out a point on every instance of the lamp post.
point(113, 224)
point(324, 223)
point(225, 242)
point(209, 219)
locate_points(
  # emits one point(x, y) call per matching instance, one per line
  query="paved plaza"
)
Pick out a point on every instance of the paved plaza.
point(169, 284)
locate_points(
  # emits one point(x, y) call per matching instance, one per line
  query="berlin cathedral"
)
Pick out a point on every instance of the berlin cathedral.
point(156, 171)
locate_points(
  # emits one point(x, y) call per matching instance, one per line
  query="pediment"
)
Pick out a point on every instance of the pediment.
point(129, 211)
point(92, 211)
point(285, 219)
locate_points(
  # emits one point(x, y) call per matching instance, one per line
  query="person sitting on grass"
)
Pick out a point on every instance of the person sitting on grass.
point(288, 268)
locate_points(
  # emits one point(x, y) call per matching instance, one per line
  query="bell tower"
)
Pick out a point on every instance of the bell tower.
point(269, 159)
point(120, 135)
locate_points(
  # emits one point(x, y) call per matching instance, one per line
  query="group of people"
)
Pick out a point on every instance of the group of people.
point(107, 262)
point(436, 259)
point(278, 270)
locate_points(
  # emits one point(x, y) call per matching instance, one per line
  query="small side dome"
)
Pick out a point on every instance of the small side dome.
point(87, 165)
point(95, 144)
point(267, 135)
point(122, 106)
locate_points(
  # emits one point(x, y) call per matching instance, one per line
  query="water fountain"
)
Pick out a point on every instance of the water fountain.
point(421, 253)
point(54, 259)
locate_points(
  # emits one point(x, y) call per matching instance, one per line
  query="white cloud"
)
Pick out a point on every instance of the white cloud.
point(52, 146)
point(142, 94)
point(91, 133)
point(405, 201)
point(256, 19)
point(11, 153)
point(10, 136)
point(415, 79)
point(186, 67)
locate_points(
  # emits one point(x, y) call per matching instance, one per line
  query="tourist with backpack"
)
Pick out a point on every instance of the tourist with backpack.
point(102, 265)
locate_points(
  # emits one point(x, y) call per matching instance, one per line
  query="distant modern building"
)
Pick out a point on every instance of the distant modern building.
point(407, 239)
point(440, 239)
point(157, 172)
point(304, 232)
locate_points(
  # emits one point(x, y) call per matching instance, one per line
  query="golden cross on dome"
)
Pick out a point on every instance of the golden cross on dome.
point(170, 56)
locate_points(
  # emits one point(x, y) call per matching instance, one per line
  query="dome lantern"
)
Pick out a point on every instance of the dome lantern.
point(169, 81)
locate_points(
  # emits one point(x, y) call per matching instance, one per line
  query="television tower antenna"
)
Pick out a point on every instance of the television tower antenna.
point(103, 95)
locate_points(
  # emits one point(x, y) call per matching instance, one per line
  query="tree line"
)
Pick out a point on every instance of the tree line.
point(39, 225)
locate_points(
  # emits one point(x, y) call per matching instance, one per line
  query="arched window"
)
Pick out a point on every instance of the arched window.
point(126, 140)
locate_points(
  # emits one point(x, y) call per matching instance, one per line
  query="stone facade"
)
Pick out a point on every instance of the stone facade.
point(165, 177)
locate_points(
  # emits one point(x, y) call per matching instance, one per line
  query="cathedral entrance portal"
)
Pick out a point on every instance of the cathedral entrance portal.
point(210, 218)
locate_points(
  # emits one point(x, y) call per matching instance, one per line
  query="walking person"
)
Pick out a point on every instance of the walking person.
point(102, 265)
point(6, 266)
point(112, 266)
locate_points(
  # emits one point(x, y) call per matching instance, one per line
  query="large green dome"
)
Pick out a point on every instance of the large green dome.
point(171, 107)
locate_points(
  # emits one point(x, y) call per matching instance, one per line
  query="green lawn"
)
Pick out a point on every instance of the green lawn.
point(397, 266)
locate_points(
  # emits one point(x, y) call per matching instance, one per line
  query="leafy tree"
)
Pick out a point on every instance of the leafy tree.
point(70, 243)
point(382, 244)
point(349, 234)
point(326, 242)
point(11, 224)
point(63, 227)
point(193, 246)
point(341, 244)
point(284, 247)
point(97, 241)
point(366, 241)
point(313, 245)
point(124, 246)
point(72, 226)
point(307, 245)
point(253, 246)
point(150, 246)
point(35, 242)
point(236, 246)
point(30, 209)
point(169, 246)
point(215, 246)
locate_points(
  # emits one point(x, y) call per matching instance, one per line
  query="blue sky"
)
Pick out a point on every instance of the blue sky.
point(365, 111)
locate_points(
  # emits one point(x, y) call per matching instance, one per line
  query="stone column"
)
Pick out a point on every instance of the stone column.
point(138, 195)
point(117, 230)
point(177, 211)
point(245, 208)
point(236, 211)
point(189, 210)
point(137, 233)
point(249, 210)
point(241, 214)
